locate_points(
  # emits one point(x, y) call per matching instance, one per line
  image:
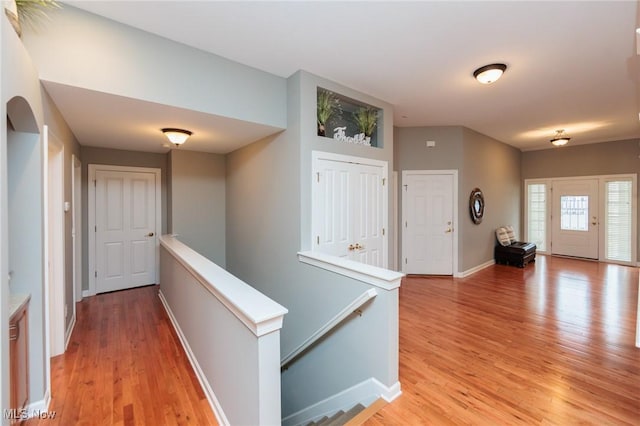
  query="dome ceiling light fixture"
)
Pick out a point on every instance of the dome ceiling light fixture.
point(177, 136)
point(489, 73)
point(560, 138)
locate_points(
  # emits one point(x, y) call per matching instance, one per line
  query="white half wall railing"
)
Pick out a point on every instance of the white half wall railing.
point(230, 332)
point(330, 325)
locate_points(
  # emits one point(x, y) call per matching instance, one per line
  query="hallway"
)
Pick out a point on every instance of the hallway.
point(552, 343)
point(125, 366)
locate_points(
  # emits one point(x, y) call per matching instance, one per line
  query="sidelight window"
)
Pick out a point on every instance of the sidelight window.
point(537, 214)
point(618, 217)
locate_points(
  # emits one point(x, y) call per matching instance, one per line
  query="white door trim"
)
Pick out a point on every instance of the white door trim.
point(54, 229)
point(456, 234)
point(394, 220)
point(76, 227)
point(93, 168)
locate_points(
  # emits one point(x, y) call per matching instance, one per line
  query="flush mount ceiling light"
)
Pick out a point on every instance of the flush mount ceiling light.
point(489, 73)
point(177, 136)
point(561, 138)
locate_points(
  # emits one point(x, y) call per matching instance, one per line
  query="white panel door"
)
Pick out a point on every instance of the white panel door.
point(348, 211)
point(368, 215)
point(428, 224)
point(574, 220)
point(125, 226)
point(333, 208)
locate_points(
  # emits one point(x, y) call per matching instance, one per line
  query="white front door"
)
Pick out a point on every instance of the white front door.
point(348, 208)
point(574, 220)
point(125, 220)
point(428, 219)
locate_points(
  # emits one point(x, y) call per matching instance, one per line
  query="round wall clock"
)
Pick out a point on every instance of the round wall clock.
point(476, 205)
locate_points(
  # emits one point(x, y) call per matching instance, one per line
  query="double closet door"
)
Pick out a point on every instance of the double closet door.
point(349, 202)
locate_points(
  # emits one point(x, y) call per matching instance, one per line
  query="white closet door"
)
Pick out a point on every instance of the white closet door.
point(332, 208)
point(348, 210)
point(367, 211)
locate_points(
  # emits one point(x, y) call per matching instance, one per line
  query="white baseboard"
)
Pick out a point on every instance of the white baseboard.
point(475, 269)
point(86, 293)
point(69, 331)
point(38, 408)
point(364, 393)
point(208, 391)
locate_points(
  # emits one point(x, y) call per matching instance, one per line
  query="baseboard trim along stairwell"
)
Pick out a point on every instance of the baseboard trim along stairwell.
point(206, 387)
point(365, 393)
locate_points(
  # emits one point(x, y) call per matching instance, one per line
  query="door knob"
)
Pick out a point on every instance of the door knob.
point(150, 234)
point(358, 246)
point(351, 247)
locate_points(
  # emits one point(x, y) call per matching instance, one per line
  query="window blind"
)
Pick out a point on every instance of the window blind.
point(618, 220)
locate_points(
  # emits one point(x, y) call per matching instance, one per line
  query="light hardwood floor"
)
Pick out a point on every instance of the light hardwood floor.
point(125, 366)
point(550, 344)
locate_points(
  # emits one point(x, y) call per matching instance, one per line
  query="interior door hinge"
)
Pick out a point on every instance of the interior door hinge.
point(382, 231)
point(383, 181)
point(96, 274)
point(318, 240)
point(95, 228)
point(95, 183)
point(318, 177)
point(405, 187)
point(405, 260)
point(405, 223)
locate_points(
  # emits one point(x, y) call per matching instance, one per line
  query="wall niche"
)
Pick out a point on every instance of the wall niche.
point(346, 120)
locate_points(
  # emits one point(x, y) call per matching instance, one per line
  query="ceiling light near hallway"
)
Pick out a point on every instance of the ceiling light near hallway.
point(561, 138)
point(177, 136)
point(489, 73)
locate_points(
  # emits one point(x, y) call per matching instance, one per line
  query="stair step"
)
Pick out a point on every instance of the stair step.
point(333, 420)
point(354, 411)
point(319, 421)
point(340, 418)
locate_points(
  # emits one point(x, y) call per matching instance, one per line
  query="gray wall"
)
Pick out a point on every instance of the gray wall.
point(494, 167)
point(482, 162)
point(115, 157)
point(607, 158)
point(268, 223)
point(61, 131)
point(26, 244)
point(20, 99)
point(411, 153)
point(196, 202)
point(114, 58)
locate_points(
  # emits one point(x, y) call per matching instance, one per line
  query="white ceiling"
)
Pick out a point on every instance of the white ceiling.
point(572, 65)
point(104, 120)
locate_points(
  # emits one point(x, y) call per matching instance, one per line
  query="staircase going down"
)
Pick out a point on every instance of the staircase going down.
point(340, 418)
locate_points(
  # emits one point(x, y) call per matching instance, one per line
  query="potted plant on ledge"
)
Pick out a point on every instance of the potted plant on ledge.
point(328, 104)
point(366, 119)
